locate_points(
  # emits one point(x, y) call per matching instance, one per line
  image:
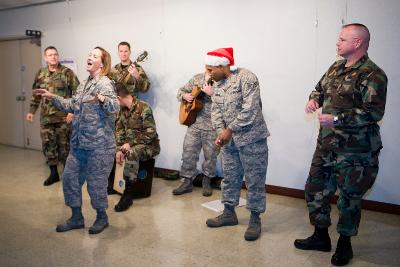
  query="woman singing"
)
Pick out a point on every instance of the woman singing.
point(92, 141)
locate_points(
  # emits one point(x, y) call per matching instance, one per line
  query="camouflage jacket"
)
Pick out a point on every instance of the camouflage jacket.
point(134, 86)
point(236, 104)
point(357, 95)
point(136, 125)
point(203, 119)
point(62, 82)
point(94, 122)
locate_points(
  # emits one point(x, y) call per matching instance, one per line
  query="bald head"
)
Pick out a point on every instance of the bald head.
point(359, 31)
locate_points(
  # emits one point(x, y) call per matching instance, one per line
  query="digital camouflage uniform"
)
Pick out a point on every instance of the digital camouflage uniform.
point(92, 141)
point(137, 127)
point(236, 104)
point(134, 86)
point(54, 131)
point(199, 135)
point(346, 156)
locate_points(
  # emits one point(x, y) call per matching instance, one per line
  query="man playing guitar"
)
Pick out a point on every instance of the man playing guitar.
point(136, 79)
point(199, 135)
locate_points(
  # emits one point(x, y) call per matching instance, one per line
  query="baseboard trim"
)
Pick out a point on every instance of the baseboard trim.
point(366, 204)
point(298, 193)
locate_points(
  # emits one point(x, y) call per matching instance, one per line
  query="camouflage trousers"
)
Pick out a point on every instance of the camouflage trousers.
point(195, 140)
point(92, 166)
point(136, 154)
point(55, 142)
point(353, 174)
point(249, 161)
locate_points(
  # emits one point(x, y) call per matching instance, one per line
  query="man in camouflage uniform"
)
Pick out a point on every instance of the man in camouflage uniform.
point(136, 139)
point(242, 135)
point(55, 125)
point(199, 135)
point(352, 94)
point(136, 81)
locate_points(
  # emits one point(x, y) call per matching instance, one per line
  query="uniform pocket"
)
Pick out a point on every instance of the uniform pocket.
point(343, 98)
point(89, 117)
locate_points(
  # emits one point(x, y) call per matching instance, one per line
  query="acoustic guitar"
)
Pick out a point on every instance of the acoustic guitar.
point(188, 110)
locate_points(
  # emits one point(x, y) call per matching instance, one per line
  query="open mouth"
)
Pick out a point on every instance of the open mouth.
point(89, 63)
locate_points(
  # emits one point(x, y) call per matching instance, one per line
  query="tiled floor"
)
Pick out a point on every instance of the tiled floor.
point(163, 230)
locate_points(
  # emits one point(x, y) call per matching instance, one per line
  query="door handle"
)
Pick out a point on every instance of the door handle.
point(20, 98)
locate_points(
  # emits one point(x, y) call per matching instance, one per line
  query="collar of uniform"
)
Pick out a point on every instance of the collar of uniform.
point(119, 65)
point(91, 81)
point(341, 68)
point(134, 104)
point(230, 80)
point(58, 68)
point(233, 75)
point(95, 79)
point(360, 62)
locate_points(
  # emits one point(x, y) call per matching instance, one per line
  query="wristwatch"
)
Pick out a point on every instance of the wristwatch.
point(336, 121)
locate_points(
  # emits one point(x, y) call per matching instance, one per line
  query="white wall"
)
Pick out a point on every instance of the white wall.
point(277, 40)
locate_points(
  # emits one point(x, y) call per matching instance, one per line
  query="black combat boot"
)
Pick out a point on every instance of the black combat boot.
point(185, 187)
point(344, 251)
point(227, 218)
point(101, 222)
point(319, 240)
point(54, 177)
point(207, 190)
point(126, 199)
point(111, 191)
point(75, 222)
point(253, 231)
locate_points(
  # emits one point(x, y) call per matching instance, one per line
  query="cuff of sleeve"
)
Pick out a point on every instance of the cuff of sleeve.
point(219, 131)
point(341, 117)
point(56, 99)
point(132, 145)
point(105, 103)
point(233, 128)
point(180, 97)
point(139, 80)
point(32, 109)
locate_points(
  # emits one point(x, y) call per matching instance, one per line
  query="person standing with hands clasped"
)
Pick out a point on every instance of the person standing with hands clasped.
point(55, 125)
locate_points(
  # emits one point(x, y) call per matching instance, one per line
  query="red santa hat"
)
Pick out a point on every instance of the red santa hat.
point(221, 57)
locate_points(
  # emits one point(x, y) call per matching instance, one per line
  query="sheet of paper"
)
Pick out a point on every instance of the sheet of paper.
point(217, 206)
point(119, 182)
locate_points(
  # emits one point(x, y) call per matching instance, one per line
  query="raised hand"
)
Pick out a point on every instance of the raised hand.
point(43, 93)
